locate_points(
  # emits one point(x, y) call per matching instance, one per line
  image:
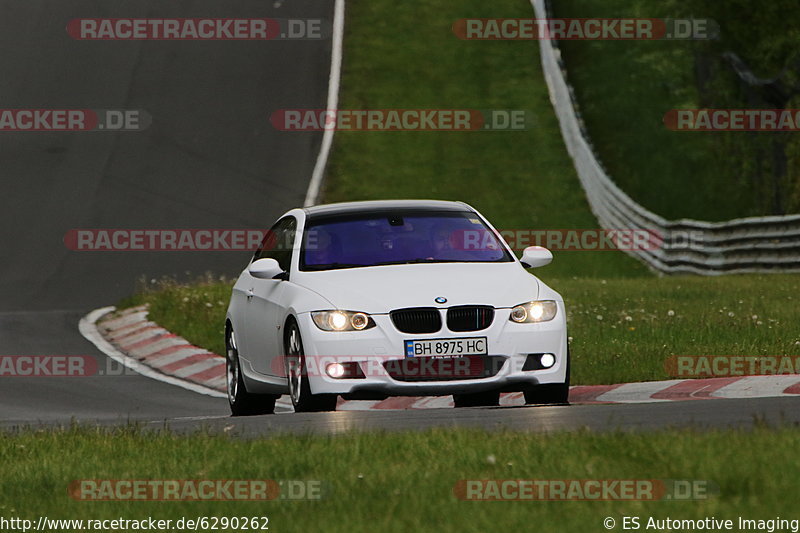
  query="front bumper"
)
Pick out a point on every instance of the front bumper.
point(508, 342)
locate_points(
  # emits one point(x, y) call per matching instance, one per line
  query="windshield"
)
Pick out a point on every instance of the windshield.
point(351, 241)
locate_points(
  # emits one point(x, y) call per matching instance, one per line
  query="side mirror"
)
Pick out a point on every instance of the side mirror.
point(265, 268)
point(536, 256)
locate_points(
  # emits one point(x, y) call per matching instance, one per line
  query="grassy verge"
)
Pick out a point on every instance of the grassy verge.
point(195, 311)
point(622, 330)
point(518, 179)
point(404, 481)
point(624, 88)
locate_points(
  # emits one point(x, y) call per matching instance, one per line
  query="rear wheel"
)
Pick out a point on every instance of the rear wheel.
point(550, 393)
point(297, 374)
point(477, 399)
point(242, 403)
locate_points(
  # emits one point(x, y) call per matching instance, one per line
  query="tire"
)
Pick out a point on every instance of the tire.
point(242, 403)
point(550, 393)
point(297, 376)
point(477, 399)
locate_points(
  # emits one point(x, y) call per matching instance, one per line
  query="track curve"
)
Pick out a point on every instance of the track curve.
point(210, 159)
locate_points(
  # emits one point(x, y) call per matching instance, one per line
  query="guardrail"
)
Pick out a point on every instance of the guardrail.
point(754, 244)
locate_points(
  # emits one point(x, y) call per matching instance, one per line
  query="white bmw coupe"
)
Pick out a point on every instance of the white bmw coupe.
point(367, 300)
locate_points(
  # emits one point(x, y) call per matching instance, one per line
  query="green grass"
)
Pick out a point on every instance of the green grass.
point(624, 88)
point(406, 56)
point(404, 481)
point(195, 311)
point(625, 330)
point(622, 330)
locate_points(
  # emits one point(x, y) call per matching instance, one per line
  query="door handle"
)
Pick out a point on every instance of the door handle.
point(249, 293)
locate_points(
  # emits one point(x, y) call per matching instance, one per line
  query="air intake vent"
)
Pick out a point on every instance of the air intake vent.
point(469, 317)
point(417, 320)
point(436, 369)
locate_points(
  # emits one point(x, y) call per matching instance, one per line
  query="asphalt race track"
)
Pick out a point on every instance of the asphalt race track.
point(210, 159)
point(700, 415)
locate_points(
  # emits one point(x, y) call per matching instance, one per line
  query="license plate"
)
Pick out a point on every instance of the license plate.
point(446, 347)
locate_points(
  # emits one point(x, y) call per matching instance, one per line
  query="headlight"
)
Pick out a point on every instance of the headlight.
point(342, 320)
point(539, 311)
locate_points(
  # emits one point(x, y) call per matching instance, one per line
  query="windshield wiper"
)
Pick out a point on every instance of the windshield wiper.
point(419, 260)
point(334, 266)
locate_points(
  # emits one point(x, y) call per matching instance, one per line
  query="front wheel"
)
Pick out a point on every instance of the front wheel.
point(242, 403)
point(550, 393)
point(297, 375)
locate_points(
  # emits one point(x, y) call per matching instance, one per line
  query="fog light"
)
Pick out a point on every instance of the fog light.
point(539, 361)
point(335, 370)
point(547, 360)
point(347, 370)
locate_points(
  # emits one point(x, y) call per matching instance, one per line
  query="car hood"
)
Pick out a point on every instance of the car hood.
point(383, 288)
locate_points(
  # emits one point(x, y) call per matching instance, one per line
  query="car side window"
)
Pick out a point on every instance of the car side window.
point(278, 243)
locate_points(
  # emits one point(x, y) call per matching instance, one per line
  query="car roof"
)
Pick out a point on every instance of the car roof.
point(388, 205)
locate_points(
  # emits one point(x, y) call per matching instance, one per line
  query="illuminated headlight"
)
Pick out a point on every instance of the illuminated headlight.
point(539, 311)
point(342, 320)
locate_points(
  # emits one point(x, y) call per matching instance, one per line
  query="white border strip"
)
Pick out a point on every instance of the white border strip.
point(314, 185)
point(88, 328)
